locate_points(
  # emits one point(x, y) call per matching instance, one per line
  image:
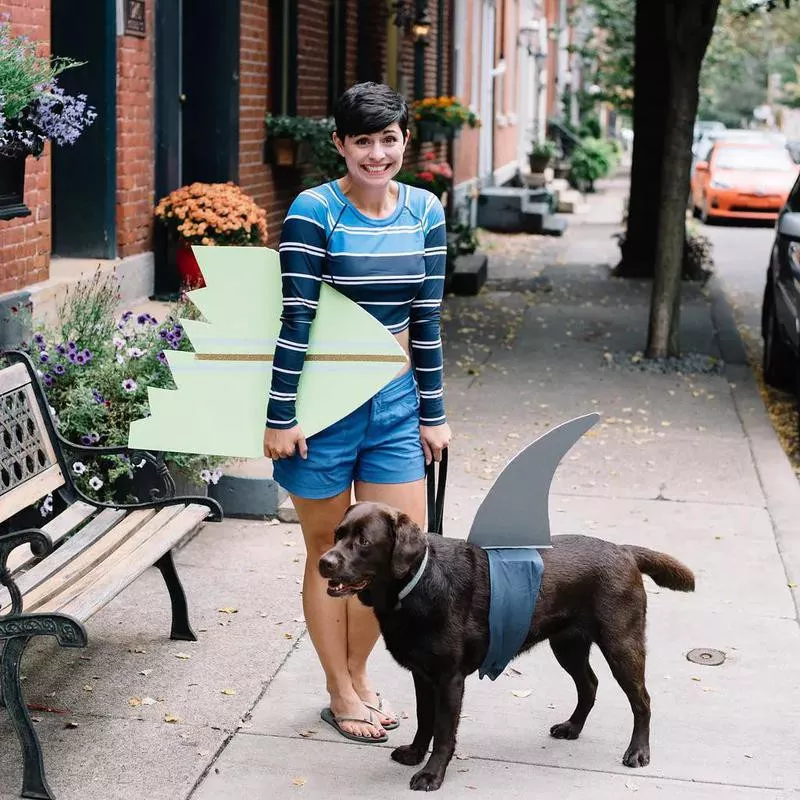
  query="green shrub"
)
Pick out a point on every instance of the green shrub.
point(592, 160)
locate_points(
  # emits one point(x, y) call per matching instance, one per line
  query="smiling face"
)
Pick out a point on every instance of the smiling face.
point(373, 159)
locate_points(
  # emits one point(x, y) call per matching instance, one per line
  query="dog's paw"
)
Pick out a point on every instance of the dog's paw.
point(636, 756)
point(425, 781)
point(408, 754)
point(565, 730)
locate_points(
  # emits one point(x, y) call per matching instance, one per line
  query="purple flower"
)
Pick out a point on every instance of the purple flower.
point(127, 315)
point(43, 357)
point(145, 319)
point(87, 354)
point(59, 369)
point(61, 350)
point(163, 333)
point(162, 357)
point(86, 440)
point(79, 359)
point(38, 338)
point(97, 397)
point(60, 116)
point(72, 347)
point(129, 385)
point(48, 379)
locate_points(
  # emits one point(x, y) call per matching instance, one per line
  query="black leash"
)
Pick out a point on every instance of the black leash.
point(436, 493)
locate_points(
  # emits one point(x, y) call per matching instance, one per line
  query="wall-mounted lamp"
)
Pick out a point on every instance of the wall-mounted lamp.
point(411, 16)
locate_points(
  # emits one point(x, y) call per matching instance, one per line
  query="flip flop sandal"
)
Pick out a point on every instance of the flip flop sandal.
point(390, 726)
point(328, 716)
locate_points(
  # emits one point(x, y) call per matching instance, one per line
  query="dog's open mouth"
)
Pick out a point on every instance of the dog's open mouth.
point(337, 589)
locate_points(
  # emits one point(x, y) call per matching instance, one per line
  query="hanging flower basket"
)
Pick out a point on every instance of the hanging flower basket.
point(12, 187)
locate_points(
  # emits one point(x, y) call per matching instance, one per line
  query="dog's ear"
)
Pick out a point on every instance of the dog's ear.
point(408, 544)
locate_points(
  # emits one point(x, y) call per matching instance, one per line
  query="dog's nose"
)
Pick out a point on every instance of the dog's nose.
point(329, 563)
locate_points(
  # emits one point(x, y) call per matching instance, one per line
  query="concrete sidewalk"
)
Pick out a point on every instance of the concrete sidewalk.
point(681, 462)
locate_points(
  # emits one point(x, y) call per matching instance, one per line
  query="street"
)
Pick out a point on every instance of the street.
point(741, 254)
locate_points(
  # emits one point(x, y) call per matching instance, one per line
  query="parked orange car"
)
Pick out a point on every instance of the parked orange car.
point(742, 180)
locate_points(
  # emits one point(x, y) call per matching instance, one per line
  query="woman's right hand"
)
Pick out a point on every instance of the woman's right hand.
point(283, 443)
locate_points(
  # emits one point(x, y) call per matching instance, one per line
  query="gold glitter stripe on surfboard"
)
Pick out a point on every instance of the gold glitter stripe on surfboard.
point(312, 357)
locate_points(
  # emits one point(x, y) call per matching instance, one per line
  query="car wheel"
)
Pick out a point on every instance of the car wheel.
point(779, 361)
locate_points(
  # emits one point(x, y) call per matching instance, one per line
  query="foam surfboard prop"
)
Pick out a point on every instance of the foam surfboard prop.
point(220, 404)
point(515, 511)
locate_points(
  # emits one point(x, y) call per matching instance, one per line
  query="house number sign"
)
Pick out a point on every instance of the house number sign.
point(134, 18)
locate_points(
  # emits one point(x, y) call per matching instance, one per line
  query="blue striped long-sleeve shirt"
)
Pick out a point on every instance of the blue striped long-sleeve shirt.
point(394, 268)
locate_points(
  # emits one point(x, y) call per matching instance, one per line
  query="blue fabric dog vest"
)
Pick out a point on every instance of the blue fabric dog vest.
point(515, 575)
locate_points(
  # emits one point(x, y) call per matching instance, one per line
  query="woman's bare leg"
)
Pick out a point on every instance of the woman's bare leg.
point(327, 617)
point(362, 627)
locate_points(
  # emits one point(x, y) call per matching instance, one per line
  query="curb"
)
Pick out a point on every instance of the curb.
point(778, 481)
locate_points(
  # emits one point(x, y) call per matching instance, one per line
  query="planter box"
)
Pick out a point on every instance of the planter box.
point(434, 132)
point(12, 187)
point(285, 153)
point(539, 164)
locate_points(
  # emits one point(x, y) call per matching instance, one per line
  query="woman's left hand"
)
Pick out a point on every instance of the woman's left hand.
point(434, 439)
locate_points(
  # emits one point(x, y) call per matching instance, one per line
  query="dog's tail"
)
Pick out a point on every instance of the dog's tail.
point(665, 570)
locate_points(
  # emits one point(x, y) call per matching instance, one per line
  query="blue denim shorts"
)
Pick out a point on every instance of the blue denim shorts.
point(377, 443)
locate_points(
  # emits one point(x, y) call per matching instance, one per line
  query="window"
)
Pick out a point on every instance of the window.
point(283, 59)
point(337, 50)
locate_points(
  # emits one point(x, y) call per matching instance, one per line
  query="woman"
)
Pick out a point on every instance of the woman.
point(382, 244)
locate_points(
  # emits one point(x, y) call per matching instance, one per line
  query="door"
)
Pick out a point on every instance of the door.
point(486, 108)
point(197, 107)
point(84, 174)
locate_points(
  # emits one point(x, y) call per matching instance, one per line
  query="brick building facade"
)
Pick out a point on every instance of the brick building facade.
point(155, 133)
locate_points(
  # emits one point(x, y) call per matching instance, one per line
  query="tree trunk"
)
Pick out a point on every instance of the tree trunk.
point(687, 27)
point(650, 104)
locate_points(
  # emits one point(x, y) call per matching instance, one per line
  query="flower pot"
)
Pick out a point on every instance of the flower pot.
point(12, 187)
point(188, 268)
point(538, 164)
point(287, 153)
point(187, 485)
point(436, 132)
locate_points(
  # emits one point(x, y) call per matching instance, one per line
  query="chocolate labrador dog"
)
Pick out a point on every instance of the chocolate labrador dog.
point(591, 592)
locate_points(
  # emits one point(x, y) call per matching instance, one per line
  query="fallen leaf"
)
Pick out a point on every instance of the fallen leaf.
point(148, 701)
point(136, 650)
point(171, 718)
point(792, 585)
point(88, 688)
point(695, 678)
point(183, 656)
point(70, 724)
point(299, 781)
point(228, 610)
point(145, 672)
point(521, 692)
point(308, 733)
point(134, 701)
point(228, 691)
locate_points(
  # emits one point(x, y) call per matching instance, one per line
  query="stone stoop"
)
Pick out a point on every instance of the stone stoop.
point(510, 209)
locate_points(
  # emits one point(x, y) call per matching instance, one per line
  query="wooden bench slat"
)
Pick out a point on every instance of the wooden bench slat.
point(82, 554)
point(40, 572)
point(107, 560)
point(27, 493)
point(55, 530)
point(111, 579)
point(13, 377)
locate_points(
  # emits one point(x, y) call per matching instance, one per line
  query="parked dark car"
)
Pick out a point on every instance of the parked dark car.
point(780, 312)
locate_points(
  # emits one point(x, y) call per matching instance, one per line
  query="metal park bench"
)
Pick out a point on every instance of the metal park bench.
point(59, 575)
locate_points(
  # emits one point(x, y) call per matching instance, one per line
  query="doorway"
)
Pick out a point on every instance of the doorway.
point(84, 174)
point(197, 106)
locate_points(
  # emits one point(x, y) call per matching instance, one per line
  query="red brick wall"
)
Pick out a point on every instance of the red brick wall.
point(135, 140)
point(25, 242)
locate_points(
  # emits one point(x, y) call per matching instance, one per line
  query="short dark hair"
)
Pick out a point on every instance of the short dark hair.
point(369, 108)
